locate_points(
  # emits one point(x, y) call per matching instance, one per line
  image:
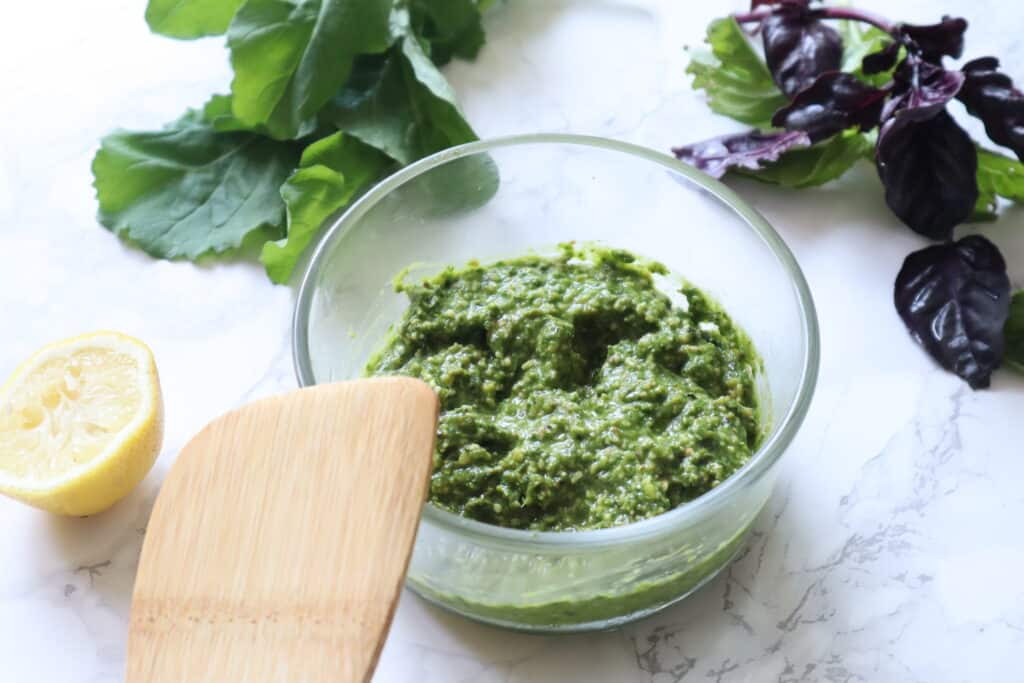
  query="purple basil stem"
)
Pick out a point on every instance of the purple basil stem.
point(990, 96)
point(744, 150)
point(798, 48)
point(954, 299)
point(834, 102)
point(934, 41)
point(928, 170)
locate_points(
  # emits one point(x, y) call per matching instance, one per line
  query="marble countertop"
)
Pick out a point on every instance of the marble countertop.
point(890, 550)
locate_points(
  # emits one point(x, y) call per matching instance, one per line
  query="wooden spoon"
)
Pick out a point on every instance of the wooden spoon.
point(280, 539)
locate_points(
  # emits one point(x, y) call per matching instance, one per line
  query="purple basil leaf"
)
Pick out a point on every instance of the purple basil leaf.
point(936, 86)
point(883, 60)
point(834, 102)
point(922, 89)
point(928, 170)
point(985, 64)
point(743, 150)
point(955, 299)
point(990, 96)
point(937, 40)
point(798, 48)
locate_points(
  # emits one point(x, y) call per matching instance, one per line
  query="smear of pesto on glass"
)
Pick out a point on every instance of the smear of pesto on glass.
point(574, 393)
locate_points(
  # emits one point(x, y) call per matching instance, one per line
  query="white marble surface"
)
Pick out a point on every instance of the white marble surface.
point(890, 551)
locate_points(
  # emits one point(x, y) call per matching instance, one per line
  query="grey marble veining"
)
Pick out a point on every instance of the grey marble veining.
point(890, 550)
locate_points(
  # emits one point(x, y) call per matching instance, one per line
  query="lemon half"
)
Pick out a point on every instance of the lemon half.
point(81, 423)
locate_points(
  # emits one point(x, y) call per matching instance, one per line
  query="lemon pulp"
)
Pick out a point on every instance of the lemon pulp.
point(80, 423)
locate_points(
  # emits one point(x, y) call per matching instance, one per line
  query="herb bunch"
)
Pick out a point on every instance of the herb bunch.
point(328, 97)
point(836, 85)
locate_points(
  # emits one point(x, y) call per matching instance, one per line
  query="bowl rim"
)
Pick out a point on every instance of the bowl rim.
point(680, 517)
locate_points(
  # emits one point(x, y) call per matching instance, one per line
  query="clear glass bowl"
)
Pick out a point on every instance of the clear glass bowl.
point(511, 196)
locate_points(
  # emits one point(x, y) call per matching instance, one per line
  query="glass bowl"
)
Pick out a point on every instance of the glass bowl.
point(515, 195)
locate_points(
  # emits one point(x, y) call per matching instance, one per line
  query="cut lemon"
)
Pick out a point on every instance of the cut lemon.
point(81, 423)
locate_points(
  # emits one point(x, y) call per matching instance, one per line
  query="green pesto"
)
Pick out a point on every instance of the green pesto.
point(575, 394)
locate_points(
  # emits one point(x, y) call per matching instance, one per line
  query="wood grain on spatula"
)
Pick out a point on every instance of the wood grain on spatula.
point(280, 539)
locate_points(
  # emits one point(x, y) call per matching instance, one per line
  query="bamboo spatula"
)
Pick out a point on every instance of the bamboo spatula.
point(280, 539)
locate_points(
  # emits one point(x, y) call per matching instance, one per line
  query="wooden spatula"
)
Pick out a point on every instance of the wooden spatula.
point(280, 539)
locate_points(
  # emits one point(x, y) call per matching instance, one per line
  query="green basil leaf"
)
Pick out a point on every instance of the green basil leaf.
point(734, 76)
point(332, 172)
point(291, 56)
point(453, 28)
point(443, 18)
point(218, 113)
point(815, 165)
point(986, 209)
point(376, 107)
point(190, 18)
point(189, 190)
point(400, 105)
point(1014, 333)
point(436, 99)
point(998, 175)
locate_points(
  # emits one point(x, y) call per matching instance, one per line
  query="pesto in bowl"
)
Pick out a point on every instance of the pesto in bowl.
point(575, 392)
